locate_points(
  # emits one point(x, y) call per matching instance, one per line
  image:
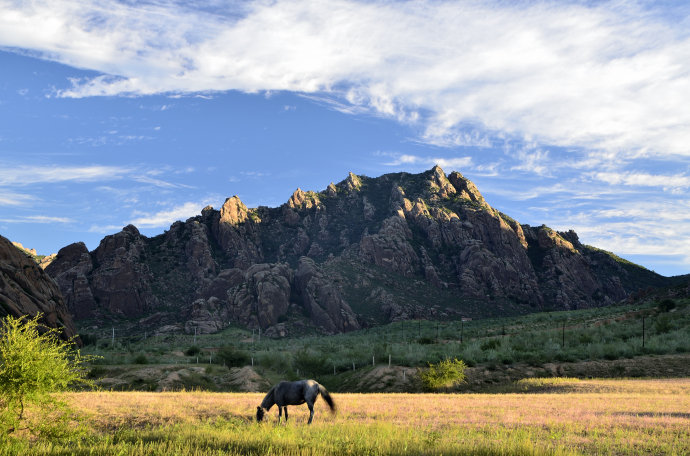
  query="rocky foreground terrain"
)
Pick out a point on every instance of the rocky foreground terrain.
point(25, 289)
point(361, 252)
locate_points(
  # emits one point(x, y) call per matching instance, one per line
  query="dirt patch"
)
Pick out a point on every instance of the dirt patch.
point(247, 379)
point(482, 378)
point(384, 379)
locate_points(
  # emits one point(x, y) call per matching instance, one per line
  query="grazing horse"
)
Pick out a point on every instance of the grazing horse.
point(293, 393)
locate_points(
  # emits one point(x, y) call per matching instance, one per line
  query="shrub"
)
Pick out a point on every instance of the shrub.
point(444, 374)
point(88, 339)
point(667, 305)
point(310, 363)
point(491, 344)
point(141, 359)
point(231, 357)
point(662, 324)
point(34, 363)
point(192, 351)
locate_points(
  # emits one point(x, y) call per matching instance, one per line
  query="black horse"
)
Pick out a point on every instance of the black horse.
point(293, 393)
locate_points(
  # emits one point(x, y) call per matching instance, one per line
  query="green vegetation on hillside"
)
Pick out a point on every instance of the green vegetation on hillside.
point(606, 334)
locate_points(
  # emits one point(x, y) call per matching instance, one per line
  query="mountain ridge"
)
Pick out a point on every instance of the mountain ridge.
point(361, 252)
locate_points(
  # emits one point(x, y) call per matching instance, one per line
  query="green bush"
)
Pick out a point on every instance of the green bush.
point(192, 351)
point(88, 339)
point(34, 364)
point(491, 344)
point(231, 357)
point(311, 363)
point(444, 374)
point(662, 324)
point(141, 359)
point(667, 305)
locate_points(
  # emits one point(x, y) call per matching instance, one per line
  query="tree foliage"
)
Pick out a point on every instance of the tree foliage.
point(34, 364)
point(444, 374)
point(232, 357)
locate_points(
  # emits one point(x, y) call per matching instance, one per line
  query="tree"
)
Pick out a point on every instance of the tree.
point(231, 357)
point(444, 374)
point(34, 364)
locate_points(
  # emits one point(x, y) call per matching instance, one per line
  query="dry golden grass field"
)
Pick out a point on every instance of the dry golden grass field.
point(549, 416)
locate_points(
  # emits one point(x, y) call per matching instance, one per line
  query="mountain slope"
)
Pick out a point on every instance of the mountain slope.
point(25, 289)
point(362, 252)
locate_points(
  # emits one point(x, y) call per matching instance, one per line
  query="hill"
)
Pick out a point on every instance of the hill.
point(364, 252)
point(25, 289)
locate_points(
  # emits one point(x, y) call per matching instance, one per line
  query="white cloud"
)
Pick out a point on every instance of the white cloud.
point(104, 229)
point(651, 226)
point(158, 182)
point(606, 76)
point(533, 161)
point(8, 198)
point(165, 218)
point(44, 219)
point(26, 175)
point(641, 179)
point(449, 164)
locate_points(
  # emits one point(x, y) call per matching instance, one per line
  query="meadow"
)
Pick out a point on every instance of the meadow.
point(542, 417)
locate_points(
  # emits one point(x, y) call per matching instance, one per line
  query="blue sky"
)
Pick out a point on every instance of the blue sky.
point(576, 115)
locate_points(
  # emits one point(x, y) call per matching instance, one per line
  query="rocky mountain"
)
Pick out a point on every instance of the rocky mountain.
point(361, 252)
point(25, 289)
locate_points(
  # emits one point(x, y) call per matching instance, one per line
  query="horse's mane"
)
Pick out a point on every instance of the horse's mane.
point(269, 400)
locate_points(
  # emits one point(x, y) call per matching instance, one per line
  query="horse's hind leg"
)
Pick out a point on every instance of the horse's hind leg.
point(311, 411)
point(285, 414)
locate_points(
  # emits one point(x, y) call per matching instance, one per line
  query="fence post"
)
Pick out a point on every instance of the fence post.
point(372, 361)
point(389, 360)
point(642, 331)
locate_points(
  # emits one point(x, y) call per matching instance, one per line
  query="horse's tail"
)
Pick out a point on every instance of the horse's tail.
point(327, 397)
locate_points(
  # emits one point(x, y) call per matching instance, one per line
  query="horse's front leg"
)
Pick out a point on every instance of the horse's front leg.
point(280, 413)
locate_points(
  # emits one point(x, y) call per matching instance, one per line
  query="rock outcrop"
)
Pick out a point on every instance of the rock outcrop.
point(25, 289)
point(363, 251)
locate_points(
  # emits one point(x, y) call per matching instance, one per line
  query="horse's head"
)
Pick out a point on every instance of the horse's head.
point(259, 414)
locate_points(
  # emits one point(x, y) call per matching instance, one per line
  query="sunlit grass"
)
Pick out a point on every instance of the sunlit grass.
point(617, 417)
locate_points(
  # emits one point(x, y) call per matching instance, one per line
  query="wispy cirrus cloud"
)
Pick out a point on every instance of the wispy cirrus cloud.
point(44, 219)
point(605, 75)
point(643, 179)
point(8, 198)
point(23, 175)
point(12, 175)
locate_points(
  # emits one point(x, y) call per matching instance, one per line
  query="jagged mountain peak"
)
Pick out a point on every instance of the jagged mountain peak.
point(363, 251)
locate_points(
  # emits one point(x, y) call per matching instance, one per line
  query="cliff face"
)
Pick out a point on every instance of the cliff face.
point(25, 289)
point(364, 251)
